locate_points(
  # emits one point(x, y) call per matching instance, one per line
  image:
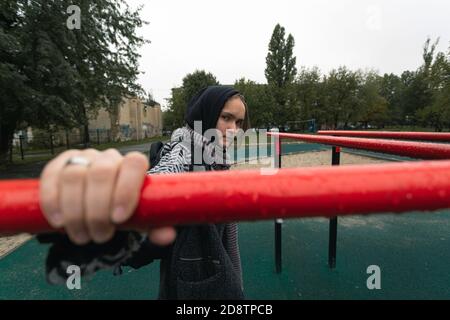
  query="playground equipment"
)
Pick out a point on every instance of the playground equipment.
point(421, 150)
point(402, 148)
point(213, 197)
point(425, 136)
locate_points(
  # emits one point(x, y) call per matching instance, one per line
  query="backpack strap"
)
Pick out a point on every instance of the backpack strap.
point(155, 153)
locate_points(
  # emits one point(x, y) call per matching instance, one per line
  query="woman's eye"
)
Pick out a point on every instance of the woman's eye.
point(226, 118)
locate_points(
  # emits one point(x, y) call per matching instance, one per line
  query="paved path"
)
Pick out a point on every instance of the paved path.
point(33, 170)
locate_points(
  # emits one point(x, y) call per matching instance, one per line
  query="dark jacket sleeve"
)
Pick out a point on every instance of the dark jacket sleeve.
point(127, 248)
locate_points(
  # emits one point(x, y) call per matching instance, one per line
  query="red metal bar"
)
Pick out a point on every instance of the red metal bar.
point(425, 136)
point(421, 150)
point(212, 197)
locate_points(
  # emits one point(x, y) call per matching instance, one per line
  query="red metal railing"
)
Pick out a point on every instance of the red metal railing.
point(425, 136)
point(402, 148)
point(421, 150)
point(290, 193)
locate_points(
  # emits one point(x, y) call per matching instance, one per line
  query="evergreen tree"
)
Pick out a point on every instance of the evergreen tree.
point(280, 72)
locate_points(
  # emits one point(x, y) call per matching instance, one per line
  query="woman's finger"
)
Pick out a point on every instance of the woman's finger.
point(162, 236)
point(128, 186)
point(71, 198)
point(100, 181)
point(49, 188)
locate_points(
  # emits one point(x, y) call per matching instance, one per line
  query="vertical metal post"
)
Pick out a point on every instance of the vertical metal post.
point(332, 241)
point(67, 139)
point(257, 145)
point(21, 146)
point(86, 138)
point(278, 225)
point(278, 222)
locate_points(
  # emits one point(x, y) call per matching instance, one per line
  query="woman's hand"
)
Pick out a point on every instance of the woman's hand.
point(89, 202)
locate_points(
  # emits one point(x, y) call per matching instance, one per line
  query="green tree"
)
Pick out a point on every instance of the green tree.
point(106, 56)
point(192, 83)
point(340, 99)
point(391, 88)
point(373, 106)
point(280, 62)
point(174, 117)
point(437, 112)
point(54, 76)
point(259, 101)
point(418, 90)
point(14, 92)
point(37, 82)
point(308, 93)
point(280, 71)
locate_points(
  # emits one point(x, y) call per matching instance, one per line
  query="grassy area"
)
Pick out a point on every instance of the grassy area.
point(101, 146)
point(407, 128)
point(17, 160)
point(105, 146)
point(45, 155)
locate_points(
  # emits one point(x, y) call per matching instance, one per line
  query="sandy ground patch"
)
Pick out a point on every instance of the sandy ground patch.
point(310, 159)
point(7, 244)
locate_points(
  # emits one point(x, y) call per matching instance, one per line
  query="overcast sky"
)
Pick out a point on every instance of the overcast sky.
point(230, 38)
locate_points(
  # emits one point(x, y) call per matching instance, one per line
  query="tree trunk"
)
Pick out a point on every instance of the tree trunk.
point(438, 126)
point(114, 117)
point(6, 135)
point(86, 140)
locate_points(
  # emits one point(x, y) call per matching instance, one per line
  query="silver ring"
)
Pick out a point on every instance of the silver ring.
point(78, 160)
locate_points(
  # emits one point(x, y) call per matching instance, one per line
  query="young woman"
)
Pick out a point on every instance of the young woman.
point(89, 193)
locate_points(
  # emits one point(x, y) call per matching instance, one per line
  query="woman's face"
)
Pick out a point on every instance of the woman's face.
point(231, 118)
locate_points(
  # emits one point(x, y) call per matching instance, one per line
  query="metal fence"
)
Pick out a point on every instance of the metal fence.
point(46, 143)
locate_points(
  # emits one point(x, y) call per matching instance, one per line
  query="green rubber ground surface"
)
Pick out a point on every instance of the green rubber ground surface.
point(412, 251)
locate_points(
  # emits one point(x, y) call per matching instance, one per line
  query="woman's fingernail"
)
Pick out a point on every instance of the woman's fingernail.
point(81, 237)
point(119, 215)
point(102, 236)
point(56, 219)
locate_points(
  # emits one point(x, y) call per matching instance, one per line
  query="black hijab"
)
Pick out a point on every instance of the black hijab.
point(206, 106)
